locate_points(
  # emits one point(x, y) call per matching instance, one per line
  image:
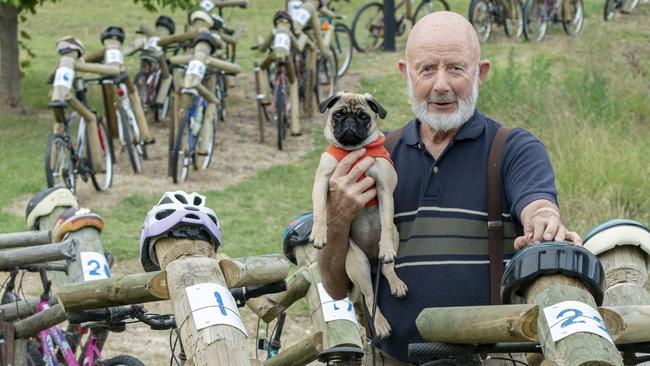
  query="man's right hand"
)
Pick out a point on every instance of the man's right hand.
point(347, 194)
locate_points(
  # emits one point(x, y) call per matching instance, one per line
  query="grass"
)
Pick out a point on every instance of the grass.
point(586, 98)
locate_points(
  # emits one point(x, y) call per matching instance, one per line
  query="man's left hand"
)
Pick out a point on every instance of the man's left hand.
point(542, 222)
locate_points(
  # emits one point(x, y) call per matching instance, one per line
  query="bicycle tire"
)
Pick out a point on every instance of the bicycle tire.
point(375, 28)
point(535, 11)
point(59, 167)
point(121, 360)
point(280, 114)
point(182, 134)
point(427, 7)
point(573, 26)
point(106, 159)
point(34, 355)
point(128, 140)
point(630, 5)
point(202, 159)
point(327, 67)
point(610, 9)
point(513, 24)
point(344, 46)
point(481, 19)
point(221, 92)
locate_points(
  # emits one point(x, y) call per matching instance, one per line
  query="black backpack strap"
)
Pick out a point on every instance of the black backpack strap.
point(495, 220)
point(391, 139)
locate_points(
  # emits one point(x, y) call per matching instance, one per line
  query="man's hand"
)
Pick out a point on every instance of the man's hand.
point(347, 196)
point(542, 222)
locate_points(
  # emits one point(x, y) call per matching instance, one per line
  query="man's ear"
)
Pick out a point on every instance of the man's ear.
point(484, 69)
point(375, 106)
point(329, 102)
point(402, 68)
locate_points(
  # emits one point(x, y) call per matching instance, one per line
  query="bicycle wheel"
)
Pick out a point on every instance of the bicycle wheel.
point(221, 93)
point(428, 7)
point(180, 157)
point(121, 360)
point(481, 19)
point(127, 141)
point(610, 9)
point(205, 140)
point(535, 20)
point(343, 46)
point(280, 116)
point(102, 179)
point(513, 23)
point(34, 356)
point(326, 76)
point(368, 27)
point(572, 16)
point(59, 169)
point(630, 5)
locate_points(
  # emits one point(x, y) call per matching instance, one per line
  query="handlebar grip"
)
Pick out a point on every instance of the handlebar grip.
point(241, 294)
point(99, 314)
point(425, 352)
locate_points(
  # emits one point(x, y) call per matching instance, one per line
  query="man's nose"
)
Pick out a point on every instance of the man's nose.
point(441, 82)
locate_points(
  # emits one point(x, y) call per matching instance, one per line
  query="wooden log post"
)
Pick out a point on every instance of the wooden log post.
point(30, 326)
point(24, 239)
point(626, 273)
point(300, 353)
point(43, 253)
point(268, 307)
point(188, 263)
point(578, 349)
point(256, 270)
point(21, 308)
point(336, 333)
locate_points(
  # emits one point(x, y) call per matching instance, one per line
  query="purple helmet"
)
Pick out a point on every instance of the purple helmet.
point(177, 215)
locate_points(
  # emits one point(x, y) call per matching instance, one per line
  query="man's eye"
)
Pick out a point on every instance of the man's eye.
point(457, 68)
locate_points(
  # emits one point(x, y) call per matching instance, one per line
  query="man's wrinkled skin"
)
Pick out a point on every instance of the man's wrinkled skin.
point(441, 64)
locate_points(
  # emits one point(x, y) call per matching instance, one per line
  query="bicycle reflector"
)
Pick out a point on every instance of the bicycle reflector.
point(325, 26)
point(552, 258)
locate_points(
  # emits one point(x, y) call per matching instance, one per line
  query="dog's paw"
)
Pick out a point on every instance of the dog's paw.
point(382, 328)
point(398, 288)
point(386, 253)
point(318, 237)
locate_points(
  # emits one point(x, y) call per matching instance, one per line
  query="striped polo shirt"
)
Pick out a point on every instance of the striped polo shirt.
point(441, 216)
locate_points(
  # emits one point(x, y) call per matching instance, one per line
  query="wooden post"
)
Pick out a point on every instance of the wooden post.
point(21, 308)
point(256, 270)
point(24, 239)
point(336, 333)
point(259, 97)
point(188, 263)
point(43, 253)
point(578, 349)
point(300, 353)
point(626, 273)
point(30, 326)
point(268, 307)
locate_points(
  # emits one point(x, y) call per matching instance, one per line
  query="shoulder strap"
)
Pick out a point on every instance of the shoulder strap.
point(495, 221)
point(391, 139)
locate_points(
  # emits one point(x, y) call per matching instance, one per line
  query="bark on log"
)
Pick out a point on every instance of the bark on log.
point(21, 309)
point(37, 254)
point(300, 353)
point(25, 239)
point(30, 326)
point(626, 273)
point(257, 270)
point(268, 307)
point(187, 263)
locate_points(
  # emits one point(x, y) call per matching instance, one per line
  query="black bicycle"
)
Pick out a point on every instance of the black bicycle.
point(622, 6)
point(506, 13)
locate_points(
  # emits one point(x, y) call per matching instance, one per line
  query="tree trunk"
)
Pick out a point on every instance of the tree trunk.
point(9, 60)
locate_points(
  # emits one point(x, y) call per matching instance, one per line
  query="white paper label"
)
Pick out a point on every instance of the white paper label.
point(152, 44)
point(94, 266)
point(301, 16)
point(335, 309)
point(64, 77)
point(292, 6)
point(207, 5)
point(113, 56)
point(282, 40)
point(569, 317)
point(196, 67)
point(212, 304)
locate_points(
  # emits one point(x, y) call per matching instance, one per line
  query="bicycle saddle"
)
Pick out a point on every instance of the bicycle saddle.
point(618, 232)
point(296, 234)
point(208, 38)
point(44, 203)
point(74, 219)
point(345, 355)
point(548, 259)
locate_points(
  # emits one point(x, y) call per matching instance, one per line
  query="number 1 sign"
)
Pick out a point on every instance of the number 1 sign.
point(335, 309)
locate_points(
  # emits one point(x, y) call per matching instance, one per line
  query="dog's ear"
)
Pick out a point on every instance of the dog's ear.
point(375, 106)
point(329, 102)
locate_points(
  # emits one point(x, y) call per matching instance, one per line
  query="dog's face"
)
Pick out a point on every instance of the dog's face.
point(352, 119)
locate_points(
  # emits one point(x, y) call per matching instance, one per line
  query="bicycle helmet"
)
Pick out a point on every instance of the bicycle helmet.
point(201, 15)
point(281, 14)
point(297, 233)
point(112, 32)
point(552, 258)
point(217, 22)
point(618, 232)
point(69, 43)
point(45, 202)
point(75, 219)
point(206, 37)
point(167, 22)
point(177, 215)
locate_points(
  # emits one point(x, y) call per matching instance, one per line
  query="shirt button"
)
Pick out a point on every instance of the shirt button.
point(435, 169)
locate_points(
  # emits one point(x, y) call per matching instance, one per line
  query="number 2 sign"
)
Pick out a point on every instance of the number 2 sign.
point(570, 317)
point(94, 266)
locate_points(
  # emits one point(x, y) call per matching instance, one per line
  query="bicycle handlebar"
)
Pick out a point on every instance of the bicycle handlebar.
point(242, 294)
point(231, 3)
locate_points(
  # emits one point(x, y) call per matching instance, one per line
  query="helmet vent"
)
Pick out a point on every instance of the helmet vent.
point(180, 198)
point(165, 200)
point(192, 216)
point(191, 208)
point(162, 214)
point(198, 201)
point(214, 219)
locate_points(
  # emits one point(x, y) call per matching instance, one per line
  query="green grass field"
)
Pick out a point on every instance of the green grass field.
point(587, 98)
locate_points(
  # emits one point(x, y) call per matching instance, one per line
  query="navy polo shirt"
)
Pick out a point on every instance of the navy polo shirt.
point(441, 216)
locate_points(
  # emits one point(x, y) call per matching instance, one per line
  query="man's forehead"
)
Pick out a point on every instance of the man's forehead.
point(443, 34)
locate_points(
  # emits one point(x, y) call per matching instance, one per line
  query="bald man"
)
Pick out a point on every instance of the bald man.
point(441, 195)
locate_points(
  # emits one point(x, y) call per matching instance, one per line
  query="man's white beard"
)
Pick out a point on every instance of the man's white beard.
point(444, 121)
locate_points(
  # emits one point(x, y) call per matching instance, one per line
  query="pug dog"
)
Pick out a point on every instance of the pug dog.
point(352, 124)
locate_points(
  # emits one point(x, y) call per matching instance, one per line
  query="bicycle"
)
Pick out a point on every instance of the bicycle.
point(91, 155)
point(368, 23)
point(507, 13)
point(538, 13)
point(623, 6)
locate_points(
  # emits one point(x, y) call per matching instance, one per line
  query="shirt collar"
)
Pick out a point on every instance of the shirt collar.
point(471, 130)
